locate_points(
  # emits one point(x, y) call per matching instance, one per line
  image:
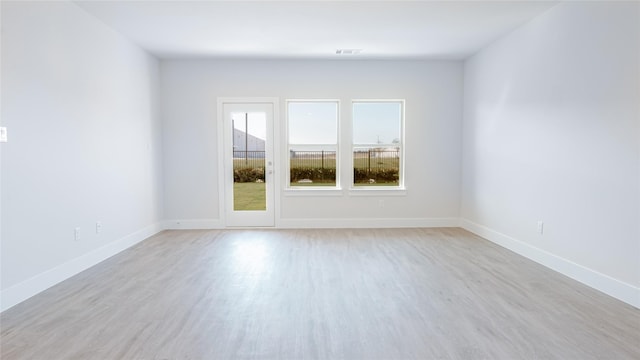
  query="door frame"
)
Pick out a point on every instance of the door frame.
point(276, 178)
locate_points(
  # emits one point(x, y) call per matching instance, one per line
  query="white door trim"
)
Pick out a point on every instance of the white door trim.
point(275, 102)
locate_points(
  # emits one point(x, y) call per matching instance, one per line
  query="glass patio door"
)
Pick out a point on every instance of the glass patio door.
point(248, 164)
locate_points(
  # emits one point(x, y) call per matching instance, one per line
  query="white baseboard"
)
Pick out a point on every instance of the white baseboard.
point(367, 223)
point(193, 224)
point(606, 284)
point(30, 287)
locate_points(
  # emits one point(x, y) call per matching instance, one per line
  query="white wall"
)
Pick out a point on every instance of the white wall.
point(433, 93)
point(80, 104)
point(552, 133)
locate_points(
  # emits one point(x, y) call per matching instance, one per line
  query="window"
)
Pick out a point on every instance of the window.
point(378, 143)
point(312, 143)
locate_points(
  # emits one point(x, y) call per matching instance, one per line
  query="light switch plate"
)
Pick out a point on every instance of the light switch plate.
point(3, 134)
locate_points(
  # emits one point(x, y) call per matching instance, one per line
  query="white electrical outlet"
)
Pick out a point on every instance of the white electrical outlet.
point(540, 227)
point(3, 134)
point(98, 227)
point(76, 234)
point(381, 203)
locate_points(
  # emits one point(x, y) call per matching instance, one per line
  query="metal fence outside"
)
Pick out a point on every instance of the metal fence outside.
point(376, 159)
point(323, 159)
point(248, 159)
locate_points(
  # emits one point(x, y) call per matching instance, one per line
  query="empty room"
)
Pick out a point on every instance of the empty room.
point(319, 179)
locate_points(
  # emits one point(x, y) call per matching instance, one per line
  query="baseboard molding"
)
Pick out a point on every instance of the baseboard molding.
point(30, 287)
point(193, 224)
point(366, 223)
point(601, 282)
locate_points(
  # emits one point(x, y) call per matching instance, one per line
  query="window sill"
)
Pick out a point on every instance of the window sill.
point(378, 191)
point(313, 191)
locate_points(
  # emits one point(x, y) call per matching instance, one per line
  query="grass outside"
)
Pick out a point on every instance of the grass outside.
point(249, 196)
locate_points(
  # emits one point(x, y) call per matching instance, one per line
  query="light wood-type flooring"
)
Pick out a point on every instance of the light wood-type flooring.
point(320, 294)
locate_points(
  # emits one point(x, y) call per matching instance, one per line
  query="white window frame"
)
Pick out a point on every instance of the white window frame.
point(398, 190)
point(310, 190)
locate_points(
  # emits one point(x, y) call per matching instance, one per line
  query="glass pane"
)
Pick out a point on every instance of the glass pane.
point(313, 138)
point(376, 166)
point(249, 136)
point(376, 122)
point(313, 122)
point(312, 166)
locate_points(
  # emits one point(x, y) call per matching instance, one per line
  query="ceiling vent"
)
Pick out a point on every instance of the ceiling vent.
point(348, 51)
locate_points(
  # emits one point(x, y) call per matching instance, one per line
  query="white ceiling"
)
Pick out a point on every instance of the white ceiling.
point(314, 29)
